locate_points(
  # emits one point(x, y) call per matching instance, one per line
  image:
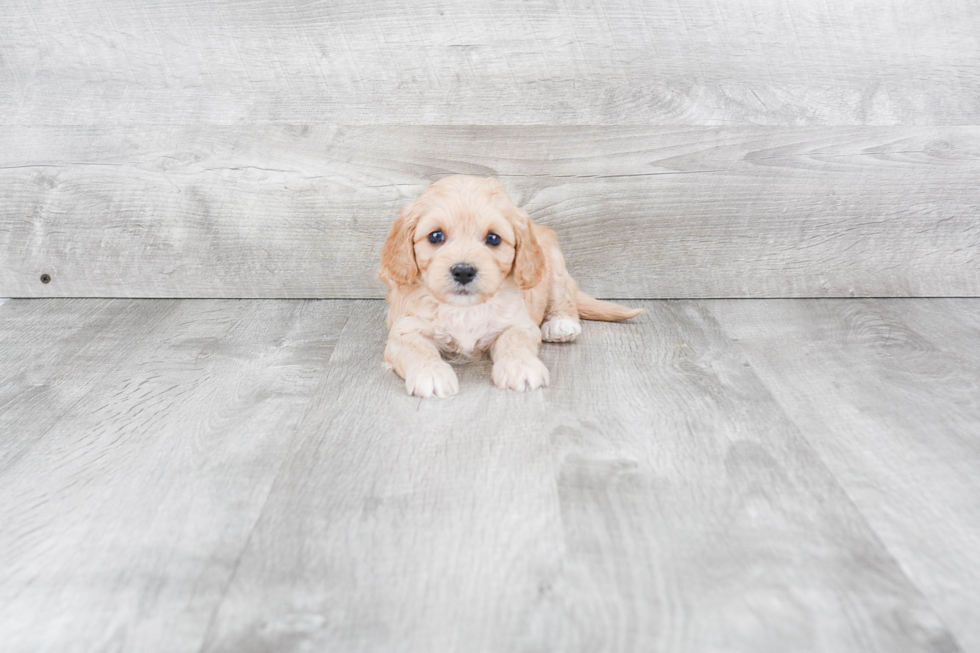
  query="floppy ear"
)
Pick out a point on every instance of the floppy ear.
point(529, 260)
point(398, 267)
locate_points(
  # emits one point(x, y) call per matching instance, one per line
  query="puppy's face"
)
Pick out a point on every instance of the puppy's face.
point(462, 238)
point(464, 248)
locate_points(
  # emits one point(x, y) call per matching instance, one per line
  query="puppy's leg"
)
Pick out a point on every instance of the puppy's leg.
point(416, 359)
point(516, 365)
point(561, 328)
point(561, 321)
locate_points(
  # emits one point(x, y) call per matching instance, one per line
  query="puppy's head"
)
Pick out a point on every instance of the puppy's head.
point(462, 238)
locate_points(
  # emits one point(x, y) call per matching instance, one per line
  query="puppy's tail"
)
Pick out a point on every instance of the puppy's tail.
point(590, 308)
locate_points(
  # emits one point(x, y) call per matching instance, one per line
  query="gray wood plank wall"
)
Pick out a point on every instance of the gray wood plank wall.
point(525, 62)
point(259, 149)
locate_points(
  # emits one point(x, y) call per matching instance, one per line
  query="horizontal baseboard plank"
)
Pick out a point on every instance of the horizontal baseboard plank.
point(459, 62)
point(642, 212)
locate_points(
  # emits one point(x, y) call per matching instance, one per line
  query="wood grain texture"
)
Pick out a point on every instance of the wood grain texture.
point(138, 448)
point(685, 449)
point(43, 383)
point(642, 212)
point(513, 62)
point(244, 476)
point(398, 524)
point(888, 394)
point(654, 498)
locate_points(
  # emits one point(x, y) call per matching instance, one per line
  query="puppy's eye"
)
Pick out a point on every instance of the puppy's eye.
point(437, 237)
point(493, 239)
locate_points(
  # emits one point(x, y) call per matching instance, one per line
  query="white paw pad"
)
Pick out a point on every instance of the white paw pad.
point(432, 380)
point(561, 329)
point(519, 374)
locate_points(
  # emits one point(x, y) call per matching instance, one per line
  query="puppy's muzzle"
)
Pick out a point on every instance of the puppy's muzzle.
point(463, 273)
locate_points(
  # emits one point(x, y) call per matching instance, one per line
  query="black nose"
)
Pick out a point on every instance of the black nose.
point(463, 273)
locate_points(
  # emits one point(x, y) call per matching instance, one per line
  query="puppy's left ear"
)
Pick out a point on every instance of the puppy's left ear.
point(529, 260)
point(398, 266)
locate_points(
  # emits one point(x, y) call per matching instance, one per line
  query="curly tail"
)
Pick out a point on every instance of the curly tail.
point(590, 308)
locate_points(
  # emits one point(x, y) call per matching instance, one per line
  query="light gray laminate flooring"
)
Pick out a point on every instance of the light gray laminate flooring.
point(243, 476)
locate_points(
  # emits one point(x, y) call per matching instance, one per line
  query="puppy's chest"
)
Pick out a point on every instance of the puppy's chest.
point(466, 333)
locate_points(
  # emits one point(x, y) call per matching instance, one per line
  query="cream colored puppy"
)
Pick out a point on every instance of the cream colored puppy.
point(468, 274)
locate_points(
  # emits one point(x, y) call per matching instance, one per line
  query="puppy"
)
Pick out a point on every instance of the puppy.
point(469, 274)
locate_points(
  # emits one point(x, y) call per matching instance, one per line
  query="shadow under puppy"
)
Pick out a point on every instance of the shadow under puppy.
point(468, 274)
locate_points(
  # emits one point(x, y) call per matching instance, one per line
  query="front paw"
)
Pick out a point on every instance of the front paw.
point(519, 374)
point(436, 379)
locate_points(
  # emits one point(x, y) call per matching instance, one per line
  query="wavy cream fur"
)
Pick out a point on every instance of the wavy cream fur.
point(522, 291)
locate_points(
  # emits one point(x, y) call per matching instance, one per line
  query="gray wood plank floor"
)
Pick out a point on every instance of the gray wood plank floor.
point(219, 475)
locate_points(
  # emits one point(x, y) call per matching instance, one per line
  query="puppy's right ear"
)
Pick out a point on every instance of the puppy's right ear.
point(398, 267)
